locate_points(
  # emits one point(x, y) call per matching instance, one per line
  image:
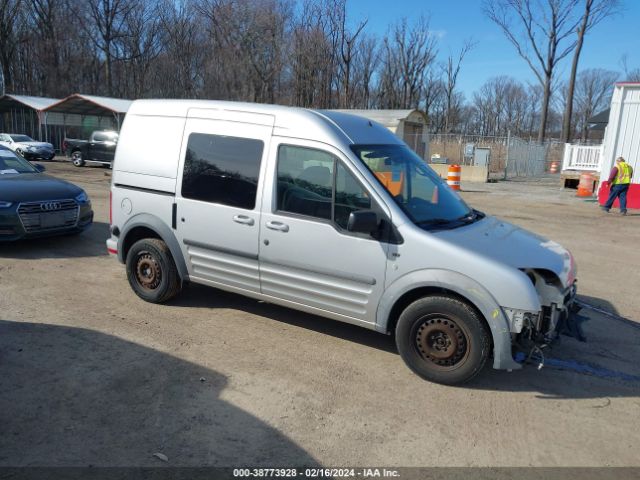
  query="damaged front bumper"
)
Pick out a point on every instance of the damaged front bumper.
point(533, 332)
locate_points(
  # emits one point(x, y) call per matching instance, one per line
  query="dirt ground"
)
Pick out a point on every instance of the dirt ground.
point(92, 375)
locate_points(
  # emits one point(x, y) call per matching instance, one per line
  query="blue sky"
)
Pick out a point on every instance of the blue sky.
point(453, 21)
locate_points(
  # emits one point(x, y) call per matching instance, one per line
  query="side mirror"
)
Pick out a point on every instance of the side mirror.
point(362, 221)
point(39, 167)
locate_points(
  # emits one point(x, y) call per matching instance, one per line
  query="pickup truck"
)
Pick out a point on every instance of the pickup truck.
point(100, 148)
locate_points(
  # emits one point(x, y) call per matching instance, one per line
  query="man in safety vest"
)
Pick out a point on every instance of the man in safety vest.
point(619, 180)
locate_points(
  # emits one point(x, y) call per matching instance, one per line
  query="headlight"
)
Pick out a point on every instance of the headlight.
point(82, 198)
point(5, 204)
point(29, 148)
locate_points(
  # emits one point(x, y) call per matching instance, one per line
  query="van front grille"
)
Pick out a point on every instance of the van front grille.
point(48, 215)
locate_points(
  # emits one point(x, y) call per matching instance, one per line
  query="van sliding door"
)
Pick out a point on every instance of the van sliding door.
point(219, 196)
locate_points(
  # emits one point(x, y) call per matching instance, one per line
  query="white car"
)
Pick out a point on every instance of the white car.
point(27, 146)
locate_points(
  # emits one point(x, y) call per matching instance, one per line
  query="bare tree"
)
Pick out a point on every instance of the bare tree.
point(180, 65)
point(504, 104)
point(452, 70)
point(104, 23)
point(347, 46)
point(312, 57)
point(540, 34)
point(594, 11)
point(630, 75)
point(433, 89)
point(593, 91)
point(365, 65)
point(10, 11)
point(140, 47)
point(409, 52)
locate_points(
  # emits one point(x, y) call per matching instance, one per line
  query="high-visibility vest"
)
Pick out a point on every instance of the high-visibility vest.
point(624, 174)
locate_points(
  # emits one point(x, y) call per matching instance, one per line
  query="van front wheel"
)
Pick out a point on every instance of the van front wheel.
point(443, 340)
point(151, 271)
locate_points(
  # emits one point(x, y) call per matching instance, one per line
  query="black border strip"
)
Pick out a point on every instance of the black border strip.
point(174, 216)
point(142, 189)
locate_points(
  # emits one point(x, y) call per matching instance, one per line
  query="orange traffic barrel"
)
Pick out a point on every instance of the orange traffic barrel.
point(585, 185)
point(554, 167)
point(453, 176)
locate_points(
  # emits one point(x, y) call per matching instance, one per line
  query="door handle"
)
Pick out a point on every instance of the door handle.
point(279, 226)
point(243, 219)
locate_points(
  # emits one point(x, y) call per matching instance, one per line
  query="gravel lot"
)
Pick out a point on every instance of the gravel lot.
point(92, 375)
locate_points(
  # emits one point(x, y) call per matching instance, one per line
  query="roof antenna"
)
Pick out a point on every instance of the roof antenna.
point(370, 124)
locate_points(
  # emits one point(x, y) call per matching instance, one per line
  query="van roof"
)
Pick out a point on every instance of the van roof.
point(322, 125)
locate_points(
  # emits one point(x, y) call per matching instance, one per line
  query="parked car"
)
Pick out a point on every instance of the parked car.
point(100, 148)
point(331, 214)
point(33, 204)
point(27, 146)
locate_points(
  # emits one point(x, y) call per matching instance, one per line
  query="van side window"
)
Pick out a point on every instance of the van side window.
point(305, 181)
point(221, 169)
point(308, 186)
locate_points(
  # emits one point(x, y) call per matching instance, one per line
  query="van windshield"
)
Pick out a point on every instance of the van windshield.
point(415, 187)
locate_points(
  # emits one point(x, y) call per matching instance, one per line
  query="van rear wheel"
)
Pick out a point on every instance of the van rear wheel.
point(151, 271)
point(443, 340)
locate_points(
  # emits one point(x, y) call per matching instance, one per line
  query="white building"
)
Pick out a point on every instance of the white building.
point(621, 139)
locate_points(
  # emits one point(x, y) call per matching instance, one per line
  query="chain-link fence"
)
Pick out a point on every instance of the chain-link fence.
point(508, 156)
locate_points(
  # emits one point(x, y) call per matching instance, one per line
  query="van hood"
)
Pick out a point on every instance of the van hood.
point(33, 187)
point(514, 246)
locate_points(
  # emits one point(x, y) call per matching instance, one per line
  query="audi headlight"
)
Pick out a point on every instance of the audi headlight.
point(30, 148)
point(82, 197)
point(5, 204)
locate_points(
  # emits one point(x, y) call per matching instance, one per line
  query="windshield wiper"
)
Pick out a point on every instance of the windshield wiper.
point(435, 221)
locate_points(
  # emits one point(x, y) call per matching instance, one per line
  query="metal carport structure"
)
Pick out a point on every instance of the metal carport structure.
point(80, 114)
point(23, 114)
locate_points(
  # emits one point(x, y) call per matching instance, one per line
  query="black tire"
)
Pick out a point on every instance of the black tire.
point(151, 271)
point(76, 158)
point(443, 340)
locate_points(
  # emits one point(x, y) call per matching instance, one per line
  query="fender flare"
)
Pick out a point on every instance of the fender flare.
point(164, 232)
point(465, 287)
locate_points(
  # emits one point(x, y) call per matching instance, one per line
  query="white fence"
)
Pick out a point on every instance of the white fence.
point(582, 157)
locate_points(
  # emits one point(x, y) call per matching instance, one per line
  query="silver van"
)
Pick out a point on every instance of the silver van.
point(331, 214)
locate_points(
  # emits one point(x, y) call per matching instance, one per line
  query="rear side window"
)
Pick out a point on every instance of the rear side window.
point(221, 169)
